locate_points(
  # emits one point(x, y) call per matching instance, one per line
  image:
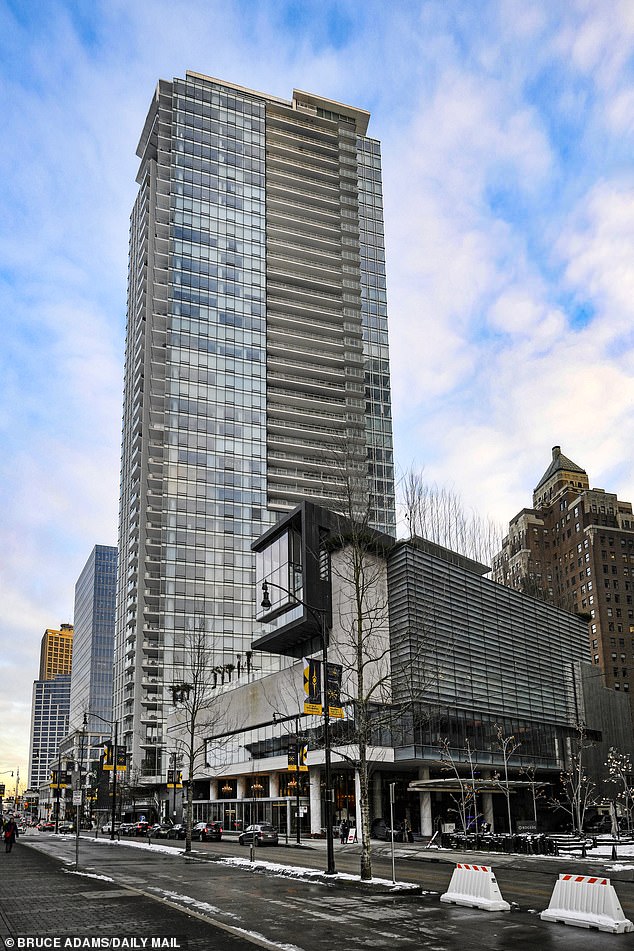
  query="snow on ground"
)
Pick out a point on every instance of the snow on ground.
point(194, 903)
point(102, 878)
point(206, 909)
point(602, 854)
point(276, 868)
point(295, 871)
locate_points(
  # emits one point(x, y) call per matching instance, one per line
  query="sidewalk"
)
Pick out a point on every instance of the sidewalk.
point(620, 870)
point(39, 896)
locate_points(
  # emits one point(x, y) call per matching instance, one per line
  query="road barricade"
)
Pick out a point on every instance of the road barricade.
point(587, 902)
point(476, 887)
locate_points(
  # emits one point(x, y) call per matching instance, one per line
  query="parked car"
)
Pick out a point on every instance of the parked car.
point(207, 832)
point(262, 832)
point(45, 826)
point(127, 828)
point(140, 828)
point(177, 831)
point(380, 829)
point(66, 827)
point(161, 830)
point(107, 827)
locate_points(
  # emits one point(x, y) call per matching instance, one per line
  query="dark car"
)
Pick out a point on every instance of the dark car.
point(207, 832)
point(161, 830)
point(127, 828)
point(140, 828)
point(66, 827)
point(177, 831)
point(263, 833)
point(381, 830)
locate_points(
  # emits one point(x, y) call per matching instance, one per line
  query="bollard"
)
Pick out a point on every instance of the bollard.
point(587, 902)
point(476, 887)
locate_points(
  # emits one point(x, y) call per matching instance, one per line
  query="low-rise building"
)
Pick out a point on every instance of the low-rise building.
point(449, 667)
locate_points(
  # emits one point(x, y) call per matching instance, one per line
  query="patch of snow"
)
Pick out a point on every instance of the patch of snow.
point(128, 844)
point(191, 902)
point(295, 871)
point(205, 907)
point(102, 878)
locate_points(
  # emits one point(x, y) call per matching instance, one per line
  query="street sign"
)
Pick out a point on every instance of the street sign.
point(77, 798)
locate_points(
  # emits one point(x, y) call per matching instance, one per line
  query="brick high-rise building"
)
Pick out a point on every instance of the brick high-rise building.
point(575, 548)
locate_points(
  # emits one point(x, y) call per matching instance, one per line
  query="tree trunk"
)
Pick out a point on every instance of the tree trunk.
point(366, 850)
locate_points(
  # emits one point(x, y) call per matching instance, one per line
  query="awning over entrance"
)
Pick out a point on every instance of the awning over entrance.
point(478, 785)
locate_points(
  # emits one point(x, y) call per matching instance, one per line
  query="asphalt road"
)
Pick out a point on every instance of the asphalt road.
point(262, 908)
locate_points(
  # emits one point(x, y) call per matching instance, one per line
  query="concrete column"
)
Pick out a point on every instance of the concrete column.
point(486, 798)
point(426, 820)
point(241, 787)
point(314, 793)
point(357, 803)
point(274, 784)
point(213, 789)
point(376, 810)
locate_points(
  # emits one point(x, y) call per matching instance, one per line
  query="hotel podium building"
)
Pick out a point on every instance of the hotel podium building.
point(256, 370)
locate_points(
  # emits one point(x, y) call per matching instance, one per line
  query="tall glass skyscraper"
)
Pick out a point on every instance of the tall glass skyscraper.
point(93, 648)
point(257, 369)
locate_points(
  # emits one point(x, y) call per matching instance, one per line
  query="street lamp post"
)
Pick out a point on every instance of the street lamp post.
point(79, 806)
point(173, 756)
point(323, 628)
point(58, 790)
point(114, 769)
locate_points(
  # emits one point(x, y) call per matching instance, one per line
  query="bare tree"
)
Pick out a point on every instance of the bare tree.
point(620, 774)
point(437, 513)
point(578, 791)
point(507, 746)
point(537, 788)
point(466, 799)
point(195, 697)
point(365, 645)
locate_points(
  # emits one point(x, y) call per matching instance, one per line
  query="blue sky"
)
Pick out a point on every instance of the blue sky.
point(507, 133)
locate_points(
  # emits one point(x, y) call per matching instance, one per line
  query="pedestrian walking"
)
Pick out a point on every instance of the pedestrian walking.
point(344, 828)
point(10, 833)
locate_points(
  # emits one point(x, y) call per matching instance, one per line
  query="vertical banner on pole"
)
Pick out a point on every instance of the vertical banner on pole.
point(312, 686)
point(333, 690)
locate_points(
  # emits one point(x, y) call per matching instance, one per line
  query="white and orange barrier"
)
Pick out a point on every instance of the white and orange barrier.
point(587, 902)
point(476, 887)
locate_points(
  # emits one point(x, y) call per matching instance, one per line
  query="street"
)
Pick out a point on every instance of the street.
point(281, 907)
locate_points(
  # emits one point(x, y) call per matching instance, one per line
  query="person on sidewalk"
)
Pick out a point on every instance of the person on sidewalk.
point(344, 828)
point(10, 833)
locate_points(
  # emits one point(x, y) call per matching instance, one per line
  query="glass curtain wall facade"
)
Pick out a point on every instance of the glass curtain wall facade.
point(93, 643)
point(256, 361)
point(49, 725)
point(484, 657)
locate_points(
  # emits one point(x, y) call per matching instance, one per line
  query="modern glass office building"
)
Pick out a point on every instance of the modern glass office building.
point(49, 725)
point(91, 676)
point(257, 369)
